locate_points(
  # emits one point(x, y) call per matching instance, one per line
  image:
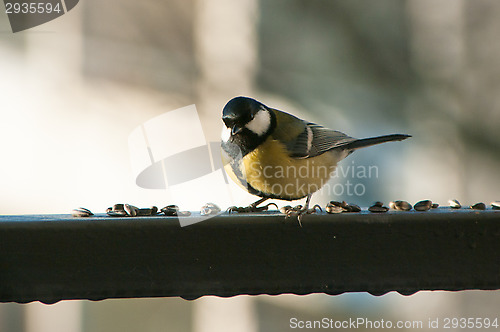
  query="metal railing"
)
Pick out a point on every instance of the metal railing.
point(49, 258)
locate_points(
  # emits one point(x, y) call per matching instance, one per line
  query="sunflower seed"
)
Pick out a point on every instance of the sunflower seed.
point(339, 207)
point(81, 213)
point(400, 205)
point(354, 208)
point(454, 204)
point(495, 205)
point(118, 210)
point(209, 209)
point(423, 205)
point(478, 206)
point(116, 213)
point(144, 212)
point(334, 207)
point(170, 210)
point(378, 209)
point(130, 210)
point(151, 211)
point(434, 205)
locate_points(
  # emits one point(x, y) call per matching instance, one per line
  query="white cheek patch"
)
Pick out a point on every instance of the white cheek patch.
point(260, 123)
point(226, 134)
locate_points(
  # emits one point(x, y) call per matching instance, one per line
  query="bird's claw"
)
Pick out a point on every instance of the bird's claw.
point(250, 208)
point(299, 211)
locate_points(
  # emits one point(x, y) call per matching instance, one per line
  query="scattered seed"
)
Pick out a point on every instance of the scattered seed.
point(130, 210)
point(354, 208)
point(400, 205)
point(147, 211)
point(118, 210)
point(112, 213)
point(143, 212)
point(478, 206)
point(118, 207)
point(434, 205)
point(334, 207)
point(378, 209)
point(209, 209)
point(340, 207)
point(495, 205)
point(423, 205)
point(81, 213)
point(454, 204)
point(170, 210)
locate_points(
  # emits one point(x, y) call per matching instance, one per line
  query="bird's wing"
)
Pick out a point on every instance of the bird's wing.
point(305, 139)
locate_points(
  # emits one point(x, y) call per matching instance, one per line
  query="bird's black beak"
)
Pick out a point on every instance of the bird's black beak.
point(236, 129)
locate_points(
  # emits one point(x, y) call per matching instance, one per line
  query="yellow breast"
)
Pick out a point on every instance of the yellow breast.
point(270, 170)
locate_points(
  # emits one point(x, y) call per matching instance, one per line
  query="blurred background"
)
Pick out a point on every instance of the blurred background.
point(75, 88)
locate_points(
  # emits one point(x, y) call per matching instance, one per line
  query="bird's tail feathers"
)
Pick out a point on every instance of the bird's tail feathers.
point(364, 142)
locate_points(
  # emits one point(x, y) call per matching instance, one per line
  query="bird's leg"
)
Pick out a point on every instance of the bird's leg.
point(299, 211)
point(252, 207)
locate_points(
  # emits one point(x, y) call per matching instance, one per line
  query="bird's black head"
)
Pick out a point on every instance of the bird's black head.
point(248, 122)
point(238, 112)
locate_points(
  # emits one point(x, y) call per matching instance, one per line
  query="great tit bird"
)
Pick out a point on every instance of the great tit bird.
point(273, 154)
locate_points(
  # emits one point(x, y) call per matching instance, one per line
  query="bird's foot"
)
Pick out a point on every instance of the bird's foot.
point(250, 208)
point(299, 211)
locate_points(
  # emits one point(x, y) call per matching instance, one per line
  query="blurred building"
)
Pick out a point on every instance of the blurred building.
point(74, 88)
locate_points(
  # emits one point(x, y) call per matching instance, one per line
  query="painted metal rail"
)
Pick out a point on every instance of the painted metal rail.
point(49, 258)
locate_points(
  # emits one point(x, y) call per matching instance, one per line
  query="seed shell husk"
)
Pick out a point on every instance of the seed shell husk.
point(116, 213)
point(130, 210)
point(209, 209)
point(354, 208)
point(400, 205)
point(170, 210)
point(454, 204)
point(145, 212)
point(423, 205)
point(478, 206)
point(378, 209)
point(495, 205)
point(434, 205)
point(81, 213)
point(334, 207)
point(341, 207)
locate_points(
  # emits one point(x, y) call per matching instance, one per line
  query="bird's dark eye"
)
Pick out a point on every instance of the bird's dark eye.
point(228, 122)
